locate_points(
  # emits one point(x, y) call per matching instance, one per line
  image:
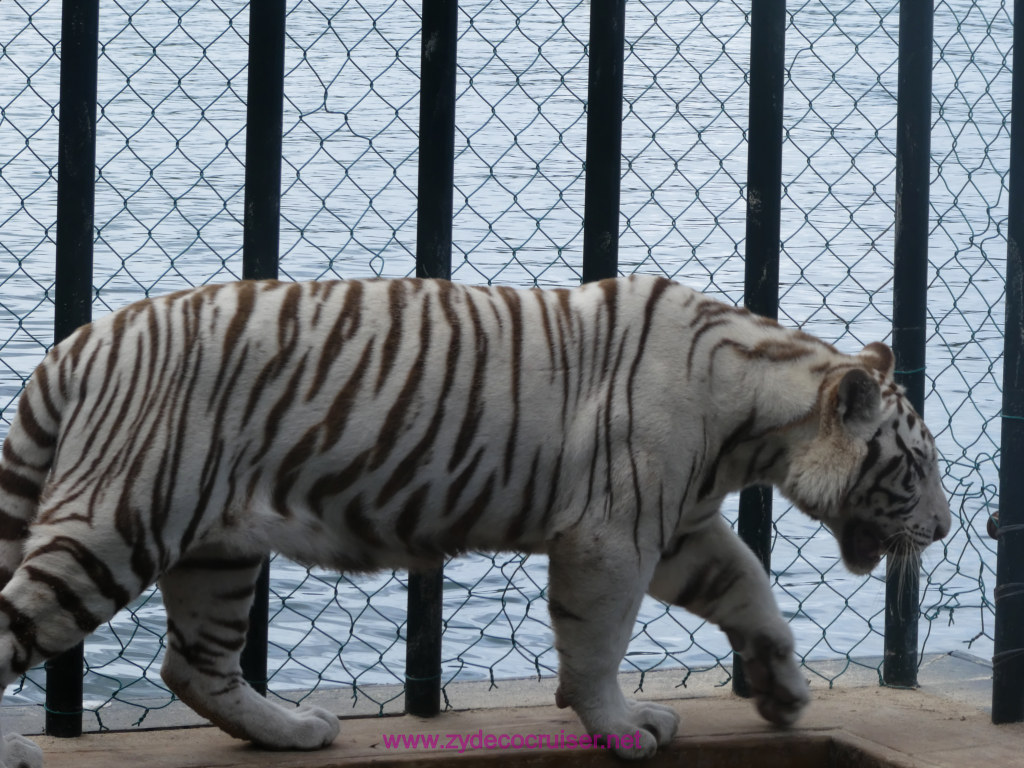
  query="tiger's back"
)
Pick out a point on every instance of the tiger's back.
point(360, 425)
point(330, 415)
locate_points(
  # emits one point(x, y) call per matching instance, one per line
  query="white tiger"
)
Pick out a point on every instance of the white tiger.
point(364, 425)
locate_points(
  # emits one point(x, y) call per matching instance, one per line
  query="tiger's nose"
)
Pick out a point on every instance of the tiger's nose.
point(940, 532)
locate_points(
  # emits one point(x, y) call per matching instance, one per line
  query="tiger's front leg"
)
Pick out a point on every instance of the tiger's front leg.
point(596, 583)
point(715, 575)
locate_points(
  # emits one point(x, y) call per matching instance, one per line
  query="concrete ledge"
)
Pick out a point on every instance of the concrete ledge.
point(866, 727)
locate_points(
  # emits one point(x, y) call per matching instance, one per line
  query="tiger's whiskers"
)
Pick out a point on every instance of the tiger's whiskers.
point(904, 565)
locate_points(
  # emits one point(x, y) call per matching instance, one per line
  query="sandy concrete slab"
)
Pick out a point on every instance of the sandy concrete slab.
point(887, 726)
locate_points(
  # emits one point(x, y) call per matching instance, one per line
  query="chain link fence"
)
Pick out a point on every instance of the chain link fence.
point(170, 172)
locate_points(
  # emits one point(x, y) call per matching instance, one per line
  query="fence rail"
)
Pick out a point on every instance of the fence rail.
point(328, 173)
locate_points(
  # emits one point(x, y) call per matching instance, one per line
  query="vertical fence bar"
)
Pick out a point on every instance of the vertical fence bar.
point(764, 211)
point(76, 169)
point(264, 125)
point(436, 171)
point(910, 290)
point(604, 139)
point(1008, 658)
point(260, 234)
point(435, 190)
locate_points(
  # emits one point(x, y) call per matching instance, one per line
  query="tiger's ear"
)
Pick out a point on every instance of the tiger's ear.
point(858, 402)
point(879, 357)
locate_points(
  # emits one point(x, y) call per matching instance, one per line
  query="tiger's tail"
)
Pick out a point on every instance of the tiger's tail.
point(25, 461)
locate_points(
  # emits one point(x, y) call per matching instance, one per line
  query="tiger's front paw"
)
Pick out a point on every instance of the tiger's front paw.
point(636, 732)
point(780, 690)
point(304, 728)
point(20, 752)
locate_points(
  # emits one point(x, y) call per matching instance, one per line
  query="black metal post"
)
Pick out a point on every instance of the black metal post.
point(604, 139)
point(910, 296)
point(423, 642)
point(254, 654)
point(1008, 660)
point(76, 172)
point(436, 179)
point(436, 172)
point(764, 210)
point(260, 235)
point(264, 125)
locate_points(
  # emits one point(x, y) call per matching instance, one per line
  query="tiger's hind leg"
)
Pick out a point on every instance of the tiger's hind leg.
point(207, 598)
point(62, 590)
point(715, 575)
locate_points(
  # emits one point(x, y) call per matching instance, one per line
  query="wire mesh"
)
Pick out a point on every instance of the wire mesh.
point(170, 171)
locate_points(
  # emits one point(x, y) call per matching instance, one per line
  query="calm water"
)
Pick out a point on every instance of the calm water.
point(170, 154)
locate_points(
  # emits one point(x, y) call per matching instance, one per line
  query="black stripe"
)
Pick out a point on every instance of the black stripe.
point(95, 568)
point(743, 433)
point(545, 320)
point(279, 411)
point(12, 528)
point(234, 643)
point(66, 597)
point(345, 327)
point(208, 478)
point(288, 334)
point(511, 299)
point(341, 407)
point(460, 530)
point(335, 483)
point(393, 340)
point(559, 611)
point(408, 519)
point(518, 524)
point(30, 425)
point(43, 380)
point(474, 400)
point(595, 456)
point(392, 428)
point(564, 354)
point(245, 295)
point(708, 585)
point(360, 525)
point(458, 486)
point(24, 630)
point(175, 443)
point(695, 340)
point(236, 595)
point(556, 474)
point(406, 470)
point(18, 485)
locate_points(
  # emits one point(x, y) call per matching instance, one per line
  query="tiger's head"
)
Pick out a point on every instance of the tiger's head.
point(869, 469)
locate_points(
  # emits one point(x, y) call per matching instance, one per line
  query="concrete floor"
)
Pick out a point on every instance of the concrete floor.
point(944, 724)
